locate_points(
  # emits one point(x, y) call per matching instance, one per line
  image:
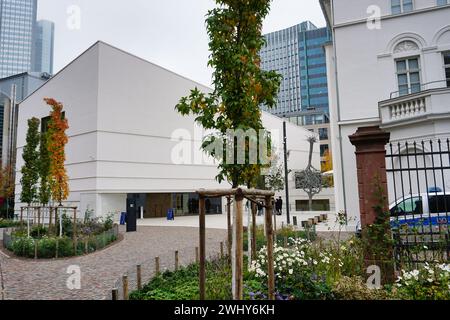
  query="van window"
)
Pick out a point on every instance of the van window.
point(439, 204)
point(408, 206)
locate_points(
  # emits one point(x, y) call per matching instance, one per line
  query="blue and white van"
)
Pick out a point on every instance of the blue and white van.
point(422, 210)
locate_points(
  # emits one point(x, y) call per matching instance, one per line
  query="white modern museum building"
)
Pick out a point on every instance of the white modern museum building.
point(127, 140)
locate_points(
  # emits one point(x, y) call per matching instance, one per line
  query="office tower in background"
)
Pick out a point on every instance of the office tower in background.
point(297, 53)
point(17, 22)
point(42, 59)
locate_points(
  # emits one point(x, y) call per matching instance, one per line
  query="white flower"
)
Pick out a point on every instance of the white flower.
point(291, 271)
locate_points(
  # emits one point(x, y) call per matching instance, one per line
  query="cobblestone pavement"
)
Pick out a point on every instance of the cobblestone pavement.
point(46, 280)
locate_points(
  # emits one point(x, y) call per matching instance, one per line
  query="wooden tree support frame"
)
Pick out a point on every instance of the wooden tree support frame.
point(39, 209)
point(237, 247)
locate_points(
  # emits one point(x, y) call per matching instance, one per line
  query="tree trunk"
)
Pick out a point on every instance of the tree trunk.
point(311, 149)
point(28, 220)
point(310, 202)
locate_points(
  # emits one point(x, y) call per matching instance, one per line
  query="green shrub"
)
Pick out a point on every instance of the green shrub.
point(47, 248)
point(38, 231)
point(354, 288)
point(183, 284)
point(5, 223)
point(23, 247)
point(286, 232)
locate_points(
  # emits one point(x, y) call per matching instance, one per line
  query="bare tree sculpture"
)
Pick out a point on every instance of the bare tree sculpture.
point(310, 179)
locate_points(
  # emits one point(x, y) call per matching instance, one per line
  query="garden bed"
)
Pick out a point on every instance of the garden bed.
point(46, 242)
point(304, 271)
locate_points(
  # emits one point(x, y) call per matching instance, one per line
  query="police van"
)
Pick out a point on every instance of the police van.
point(431, 209)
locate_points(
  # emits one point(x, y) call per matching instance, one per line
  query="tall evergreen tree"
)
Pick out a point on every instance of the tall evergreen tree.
point(30, 169)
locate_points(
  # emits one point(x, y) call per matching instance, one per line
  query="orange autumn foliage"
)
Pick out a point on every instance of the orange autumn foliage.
point(57, 141)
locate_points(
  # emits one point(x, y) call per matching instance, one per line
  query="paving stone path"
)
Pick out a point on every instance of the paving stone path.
point(47, 280)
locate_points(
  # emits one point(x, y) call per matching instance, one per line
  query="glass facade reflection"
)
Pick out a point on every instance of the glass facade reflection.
point(17, 21)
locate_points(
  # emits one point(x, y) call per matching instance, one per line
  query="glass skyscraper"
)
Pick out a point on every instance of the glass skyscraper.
point(297, 53)
point(17, 22)
point(43, 47)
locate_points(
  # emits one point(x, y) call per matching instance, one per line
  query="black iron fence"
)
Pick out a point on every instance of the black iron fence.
point(418, 176)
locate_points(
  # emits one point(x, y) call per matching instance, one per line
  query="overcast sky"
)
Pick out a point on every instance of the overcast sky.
point(170, 33)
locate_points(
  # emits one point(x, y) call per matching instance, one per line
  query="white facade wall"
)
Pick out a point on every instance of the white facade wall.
point(124, 130)
point(362, 73)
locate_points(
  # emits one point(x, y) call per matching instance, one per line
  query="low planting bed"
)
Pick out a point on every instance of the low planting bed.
point(304, 270)
point(46, 242)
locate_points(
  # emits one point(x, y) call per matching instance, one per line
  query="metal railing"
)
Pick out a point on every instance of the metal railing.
point(418, 175)
point(440, 84)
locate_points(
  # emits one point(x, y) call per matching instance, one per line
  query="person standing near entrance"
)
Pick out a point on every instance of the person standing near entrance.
point(279, 206)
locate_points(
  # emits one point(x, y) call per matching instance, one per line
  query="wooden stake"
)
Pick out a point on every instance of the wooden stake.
point(57, 248)
point(285, 242)
point(36, 249)
point(230, 230)
point(221, 250)
point(139, 276)
point(253, 240)
point(238, 247)
point(50, 218)
point(125, 287)
point(269, 232)
point(74, 223)
point(176, 261)
point(39, 220)
point(197, 257)
point(21, 215)
point(275, 225)
point(86, 245)
point(202, 267)
point(157, 270)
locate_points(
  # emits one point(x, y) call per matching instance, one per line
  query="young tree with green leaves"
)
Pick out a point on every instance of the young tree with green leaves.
point(44, 170)
point(240, 86)
point(30, 169)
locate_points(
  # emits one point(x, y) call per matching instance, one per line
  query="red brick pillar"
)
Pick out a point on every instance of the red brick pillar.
point(370, 143)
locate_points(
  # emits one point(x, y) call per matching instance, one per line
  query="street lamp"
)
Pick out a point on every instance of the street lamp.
point(286, 172)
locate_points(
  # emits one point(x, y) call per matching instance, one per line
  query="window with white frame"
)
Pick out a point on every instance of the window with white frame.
point(408, 75)
point(400, 6)
point(447, 67)
point(442, 2)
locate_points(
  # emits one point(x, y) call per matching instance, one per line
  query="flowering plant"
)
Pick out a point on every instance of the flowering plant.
point(298, 272)
point(431, 282)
